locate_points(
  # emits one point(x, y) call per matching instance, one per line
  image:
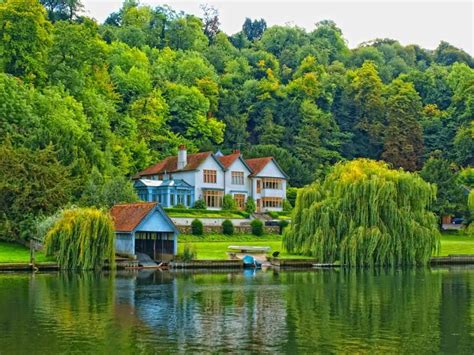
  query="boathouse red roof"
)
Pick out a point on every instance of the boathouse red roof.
point(128, 216)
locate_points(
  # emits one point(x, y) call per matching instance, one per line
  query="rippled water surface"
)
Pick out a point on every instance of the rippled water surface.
point(383, 311)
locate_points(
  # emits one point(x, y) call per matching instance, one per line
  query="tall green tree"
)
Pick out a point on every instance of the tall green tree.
point(32, 183)
point(369, 123)
point(25, 39)
point(451, 195)
point(403, 145)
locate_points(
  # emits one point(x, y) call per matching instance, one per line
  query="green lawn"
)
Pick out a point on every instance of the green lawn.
point(456, 243)
point(215, 246)
point(16, 253)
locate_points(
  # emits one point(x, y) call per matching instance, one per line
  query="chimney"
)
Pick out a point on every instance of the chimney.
point(182, 157)
point(236, 151)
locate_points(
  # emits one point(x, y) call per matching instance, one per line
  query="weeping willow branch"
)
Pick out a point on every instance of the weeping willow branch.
point(365, 214)
point(83, 239)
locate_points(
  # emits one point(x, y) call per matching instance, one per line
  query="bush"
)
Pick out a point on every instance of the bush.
point(199, 204)
point(257, 227)
point(180, 206)
point(196, 227)
point(189, 253)
point(282, 224)
point(228, 203)
point(250, 205)
point(227, 227)
point(273, 214)
point(287, 207)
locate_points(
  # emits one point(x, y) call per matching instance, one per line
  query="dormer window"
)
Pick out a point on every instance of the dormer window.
point(237, 177)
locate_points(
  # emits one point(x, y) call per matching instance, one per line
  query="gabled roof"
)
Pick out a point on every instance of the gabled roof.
point(257, 165)
point(227, 160)
point(128, 216)
point(170, 164)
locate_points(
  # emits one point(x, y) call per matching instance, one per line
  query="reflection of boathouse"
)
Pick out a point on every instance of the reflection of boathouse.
point(145, 228)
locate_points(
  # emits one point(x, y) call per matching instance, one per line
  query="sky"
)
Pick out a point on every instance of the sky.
point(421, 22)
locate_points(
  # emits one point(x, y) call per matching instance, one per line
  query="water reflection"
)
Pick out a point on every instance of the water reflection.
point(411, 310)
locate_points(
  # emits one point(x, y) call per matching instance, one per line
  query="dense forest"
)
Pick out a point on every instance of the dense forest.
point(83, 106)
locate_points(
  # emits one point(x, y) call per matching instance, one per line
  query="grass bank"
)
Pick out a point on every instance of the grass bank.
point(215, 246)
point(456, 243)
point(16, 253)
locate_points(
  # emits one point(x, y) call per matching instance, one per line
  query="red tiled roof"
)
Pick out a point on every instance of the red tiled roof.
point(170, 164)
point(257, 164)
point(227, 160)
point(128, 216)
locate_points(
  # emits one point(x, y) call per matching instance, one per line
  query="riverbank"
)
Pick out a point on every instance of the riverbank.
point(215, 247)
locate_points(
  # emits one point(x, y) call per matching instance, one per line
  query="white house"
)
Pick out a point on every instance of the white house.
point(184, 178)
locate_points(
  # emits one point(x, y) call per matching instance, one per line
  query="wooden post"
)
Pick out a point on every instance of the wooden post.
point(32, 253)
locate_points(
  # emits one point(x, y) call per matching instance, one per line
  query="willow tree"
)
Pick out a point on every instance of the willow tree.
point(82, 238)
point(365, 214)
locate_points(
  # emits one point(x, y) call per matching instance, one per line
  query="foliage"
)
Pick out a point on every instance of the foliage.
point(450, 195)
point(100, 192)
point(250, 206)
point(199, 204)
point(120, 96)
point(228, 203)
point(227, 227)
point(189, 252)
point(197, 227)
point(291, 193)
point(82, 239)
point(257, 227)
point(25, 38)
point(287, 207)
point(364, 214)
point(32, 183)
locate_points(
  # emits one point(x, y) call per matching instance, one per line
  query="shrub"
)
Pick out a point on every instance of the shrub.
point(282, 224)
point(250, 205)
point(228, 203)
point(257, 227)
point(227, 227)
point(199, 204)
point(287, 207)
point(196, 227)
point(273, 214)
point(180, 205)
point(189, 253)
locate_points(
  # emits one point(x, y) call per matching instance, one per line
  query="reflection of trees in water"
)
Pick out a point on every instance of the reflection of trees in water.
point(377, 310)
point(328, 311)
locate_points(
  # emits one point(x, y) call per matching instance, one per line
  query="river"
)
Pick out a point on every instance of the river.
point(325, 311)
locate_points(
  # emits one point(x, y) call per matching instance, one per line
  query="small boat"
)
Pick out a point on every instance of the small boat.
point(250, 261)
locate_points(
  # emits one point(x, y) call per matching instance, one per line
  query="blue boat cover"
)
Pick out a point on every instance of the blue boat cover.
point(248, 260)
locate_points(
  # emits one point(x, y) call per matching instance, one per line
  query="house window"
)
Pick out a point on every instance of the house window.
point(272, 202)
point(239, 201)
point(172, 203)
point(213, 198)
point(237, 178)
point(210, 176)
point(259, 186)
point(272, 183)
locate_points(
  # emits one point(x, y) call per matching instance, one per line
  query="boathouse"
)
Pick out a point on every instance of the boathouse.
point(144, 227)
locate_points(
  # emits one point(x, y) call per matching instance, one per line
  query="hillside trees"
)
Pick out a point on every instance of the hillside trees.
point(118, 96)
